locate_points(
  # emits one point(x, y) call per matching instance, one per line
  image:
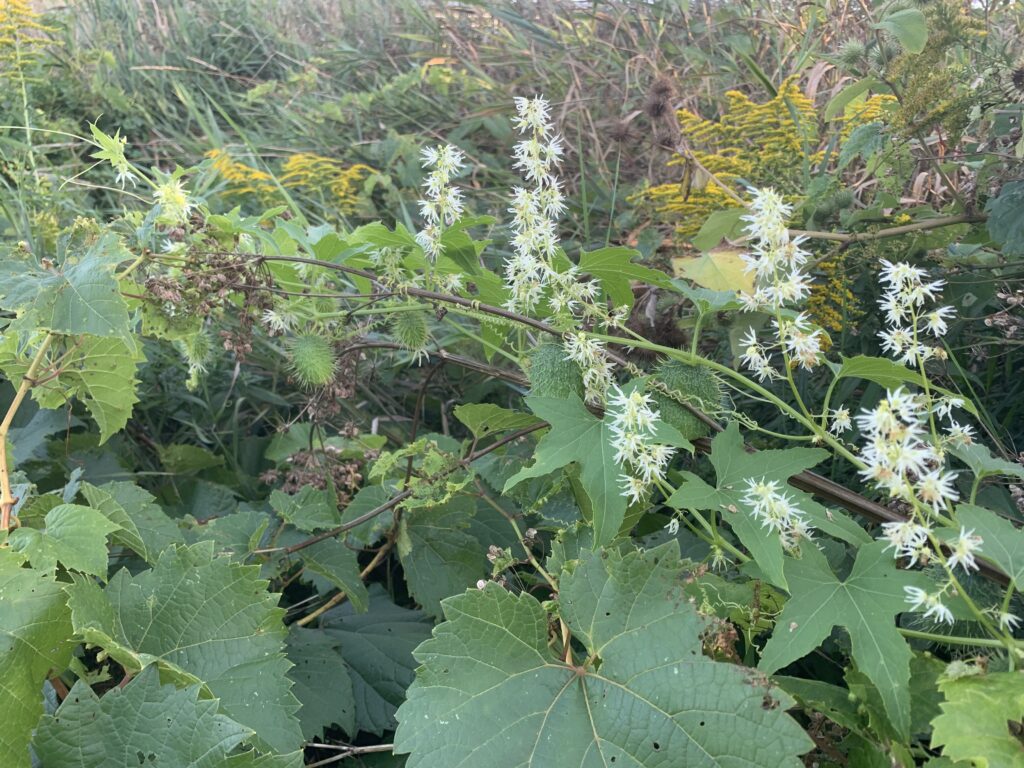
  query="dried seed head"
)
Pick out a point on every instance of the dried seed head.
point(659, 98)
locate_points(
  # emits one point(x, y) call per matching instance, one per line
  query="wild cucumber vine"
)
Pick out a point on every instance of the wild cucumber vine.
point(602, 593)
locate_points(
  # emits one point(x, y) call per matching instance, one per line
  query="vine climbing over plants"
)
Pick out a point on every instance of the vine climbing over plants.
point(500, 522)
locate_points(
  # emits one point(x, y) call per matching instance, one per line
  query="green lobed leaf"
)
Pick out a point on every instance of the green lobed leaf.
point(880, 370)
point(335, 565)
point(719, 226)
point(209, 617)
point(864, 141)
point(577, 435)
point(1002, 541)
point(865, 603)
point(78, 297)
point(907, 25)
point(144, 723)
point(983, 464)
point(890, 375)
point(100, 373)
point(367, 499)
point(975, 726)
point(311, 509)
point(850, 93)
point(818, 696)
point(75, 536)
point(614, 268)
point(35, 638)
point(733, 467)
point(146, 529)
point(925, 697)
point(321, 682)
point(491, 691)
point(439, 555)
point(485, 419)
point(181, 458)
point(236, 534)
point(377, 649)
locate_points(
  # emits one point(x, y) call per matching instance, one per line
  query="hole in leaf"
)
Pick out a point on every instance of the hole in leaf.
point(657, 746)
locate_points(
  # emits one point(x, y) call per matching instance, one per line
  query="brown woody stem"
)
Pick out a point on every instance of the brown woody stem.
point(7, 500)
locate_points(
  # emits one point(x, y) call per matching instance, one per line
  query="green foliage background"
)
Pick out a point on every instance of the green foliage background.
point(287, 492)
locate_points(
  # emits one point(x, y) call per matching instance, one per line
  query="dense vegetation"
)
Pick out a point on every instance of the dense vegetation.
point(511, 384)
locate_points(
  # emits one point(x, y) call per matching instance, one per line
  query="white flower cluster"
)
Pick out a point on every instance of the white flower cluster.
point(535, 209)
point(589, 354)
point(777, 512)
point(800, 340)
point(909, 539)
point(907, 321)
point(899, 456)
point(918, 599)
point(443, 204)
point(775, 259)
point(535, 212)
point(633, 423)
point(777, 262)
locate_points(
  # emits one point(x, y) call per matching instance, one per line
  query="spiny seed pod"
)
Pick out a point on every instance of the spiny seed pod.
point(852, 53)
point(843, 198)
point(884, 53)
point(410, 330)
point(312, 360)
point(551, 375)
point(830, 204)
point(695, 385)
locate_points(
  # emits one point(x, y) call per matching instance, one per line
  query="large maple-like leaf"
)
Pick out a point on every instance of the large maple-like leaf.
point(865, 603)
point(79, 296)
point(975, 725)
point(35, 637)
point(491, 691)
point(734, 466)
point(321, 682)
point(1002, 541)
point(100, 372)
point(439, 556)
point(614, 268)
point(577, 435)
point(75, 536)
point(142, 724)
point(377, 649)
point(144, 527)
point(208, 618)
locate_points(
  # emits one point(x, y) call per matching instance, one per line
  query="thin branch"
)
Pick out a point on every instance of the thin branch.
point(347, 752)
point(849, 238)
point(7, 499)
point(398, 498)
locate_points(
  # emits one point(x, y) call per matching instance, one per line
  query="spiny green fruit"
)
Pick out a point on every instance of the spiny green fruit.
point(312, 360)
point(852, 53)
point(551, 375)
point(830, 204)
point(693, 384)
point(843, 198)
point(410, 330)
